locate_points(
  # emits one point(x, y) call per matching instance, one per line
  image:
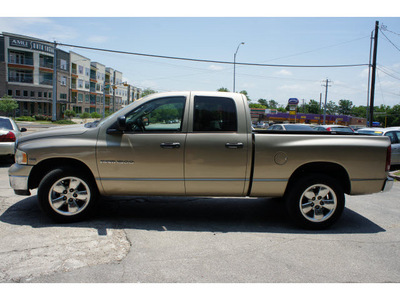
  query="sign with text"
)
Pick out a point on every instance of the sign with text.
point(20, 43)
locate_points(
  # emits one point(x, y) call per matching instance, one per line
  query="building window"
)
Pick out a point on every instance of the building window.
point(21, 58)
point(87, 99)
point(63, 96)
point(17, 93)
point(46, 61)
point(80, 83)
point(45, 78)
point(63, 64)
point(63, 80)
point(50, 95)
point(10, 93)
point(25, 93)
point(87, 85)
point(80, 97)
point(32, 94)
point(80, 69)
point(87, 72)
point(39, 94)
point(44, 94)
point(25, 76)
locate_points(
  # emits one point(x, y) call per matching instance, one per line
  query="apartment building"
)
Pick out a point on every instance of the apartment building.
point(26, 74)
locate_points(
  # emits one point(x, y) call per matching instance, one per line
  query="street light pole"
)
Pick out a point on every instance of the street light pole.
point(234, 65)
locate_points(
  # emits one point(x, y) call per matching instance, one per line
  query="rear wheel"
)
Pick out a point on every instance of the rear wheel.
point(315, 201)
point(65, 195)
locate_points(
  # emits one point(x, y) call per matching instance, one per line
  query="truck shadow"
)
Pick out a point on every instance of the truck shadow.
point(187, 214)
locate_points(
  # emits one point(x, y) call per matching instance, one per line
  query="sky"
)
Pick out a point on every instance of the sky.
point(284, 38)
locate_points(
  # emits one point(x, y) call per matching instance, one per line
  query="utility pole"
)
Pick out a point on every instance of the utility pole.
point(326, 97)
point(320, 101)
point(372, 97)
point(54, 105)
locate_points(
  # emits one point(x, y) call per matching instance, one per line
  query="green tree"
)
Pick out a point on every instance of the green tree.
point(345, 107)
point(8, 104)
point(331, 108)
point(222, 89)
point(263, 102)
point(148, 92)
point(244, 92)
point(273, 104)
point(359, 111)
point(69, 113)
point(313, 107)
point(257, 105)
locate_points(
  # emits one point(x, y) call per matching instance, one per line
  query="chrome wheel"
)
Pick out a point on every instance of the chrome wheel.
point(318, 203)
point(69, 196)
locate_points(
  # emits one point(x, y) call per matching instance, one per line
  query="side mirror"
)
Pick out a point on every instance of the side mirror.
point(119, 128)
point(121, 123)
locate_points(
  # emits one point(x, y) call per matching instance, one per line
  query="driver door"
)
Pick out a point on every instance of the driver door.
point(148, 157)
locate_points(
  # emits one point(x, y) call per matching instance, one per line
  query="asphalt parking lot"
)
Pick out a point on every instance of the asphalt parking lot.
point(157, 240)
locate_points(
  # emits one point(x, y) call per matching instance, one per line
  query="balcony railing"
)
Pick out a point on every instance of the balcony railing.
point(26, 79)
point(45, 64)
point(46, 81)
point(20, 61)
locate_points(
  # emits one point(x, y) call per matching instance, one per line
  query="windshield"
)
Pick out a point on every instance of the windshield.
point(342, 129)
point(370, 132)
point(298, 127)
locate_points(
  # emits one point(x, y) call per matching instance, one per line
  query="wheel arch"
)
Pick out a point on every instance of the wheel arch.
point(40, 170)
point(333, 170)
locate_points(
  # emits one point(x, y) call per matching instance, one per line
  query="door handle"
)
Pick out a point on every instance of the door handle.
point(170, 145)
point(234, 145)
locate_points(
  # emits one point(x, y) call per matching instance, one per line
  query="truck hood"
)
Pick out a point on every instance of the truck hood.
point(59, 131)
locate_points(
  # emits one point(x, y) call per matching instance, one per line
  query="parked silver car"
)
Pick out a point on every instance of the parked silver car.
point(334, 128)
point(393, 133)
point(291, 127)
point(9, 132)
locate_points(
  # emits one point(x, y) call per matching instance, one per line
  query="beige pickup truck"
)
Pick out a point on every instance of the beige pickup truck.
point(197, 144)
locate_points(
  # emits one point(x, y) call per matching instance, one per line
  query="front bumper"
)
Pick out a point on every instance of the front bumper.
point(19, 177)
point(387, 186)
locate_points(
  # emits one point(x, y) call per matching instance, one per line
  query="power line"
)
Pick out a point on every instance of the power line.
point(209, 61)
point(389, 40)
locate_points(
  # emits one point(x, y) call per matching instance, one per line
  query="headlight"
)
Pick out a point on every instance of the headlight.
point(21, 157)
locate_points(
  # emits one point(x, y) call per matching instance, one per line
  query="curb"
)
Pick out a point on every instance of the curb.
point(391, 174)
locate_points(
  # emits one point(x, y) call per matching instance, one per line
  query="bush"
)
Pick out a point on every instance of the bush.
point(85, 115)
point(69, 113)
point(25, 118)
point(95, 115)
point(42, 118)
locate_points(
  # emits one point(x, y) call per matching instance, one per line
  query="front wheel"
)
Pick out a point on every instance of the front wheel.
point(65, 195)
point(315, 201)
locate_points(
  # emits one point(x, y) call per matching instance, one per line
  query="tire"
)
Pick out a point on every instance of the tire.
point(315, 201)
point(66, 195)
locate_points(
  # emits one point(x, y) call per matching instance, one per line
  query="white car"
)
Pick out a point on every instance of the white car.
point(393, 133)
point(9, 133)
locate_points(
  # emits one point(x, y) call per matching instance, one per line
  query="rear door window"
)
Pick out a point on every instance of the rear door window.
point(214, 114)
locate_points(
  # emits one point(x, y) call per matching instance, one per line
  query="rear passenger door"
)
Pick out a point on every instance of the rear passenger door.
point(217, 147)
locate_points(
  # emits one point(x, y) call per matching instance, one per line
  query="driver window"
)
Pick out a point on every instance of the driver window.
point(163, 114)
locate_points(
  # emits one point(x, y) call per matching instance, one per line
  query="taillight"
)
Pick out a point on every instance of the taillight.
point(388, 158)
point(329, 129)
point(9, 137)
